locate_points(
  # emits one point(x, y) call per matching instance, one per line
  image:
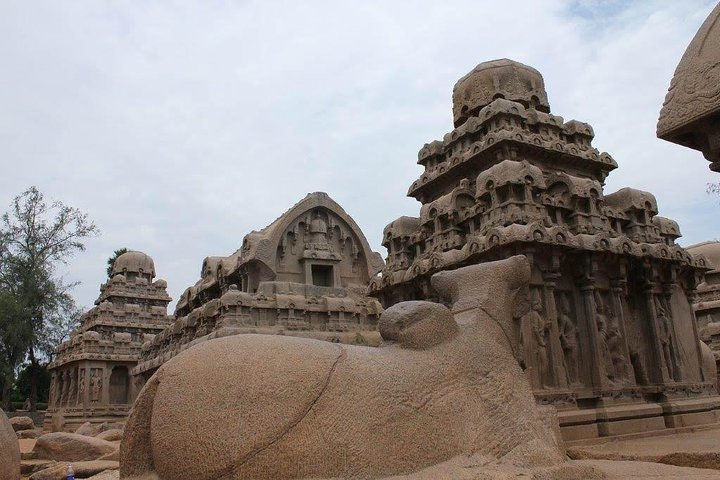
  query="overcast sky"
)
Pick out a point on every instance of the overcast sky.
point(181, 126)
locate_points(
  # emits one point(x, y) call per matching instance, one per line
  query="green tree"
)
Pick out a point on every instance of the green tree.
point(15, 339)
point(111, 260)
point(36, 237)
point(21, 389)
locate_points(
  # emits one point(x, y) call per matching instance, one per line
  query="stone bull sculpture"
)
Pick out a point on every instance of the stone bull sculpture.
point(257, 406)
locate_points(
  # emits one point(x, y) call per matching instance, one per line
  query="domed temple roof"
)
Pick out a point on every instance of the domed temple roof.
point(498, 79)
point(135, 262)
point(691, 110)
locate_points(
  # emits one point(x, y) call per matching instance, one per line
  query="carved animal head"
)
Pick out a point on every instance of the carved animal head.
point(500, 289)
point(475, 285)
point(417, 324)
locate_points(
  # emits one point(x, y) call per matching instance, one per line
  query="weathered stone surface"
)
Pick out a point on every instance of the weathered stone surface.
point(71, 447)
point(478, 467)
point(628, 470)
point(88, 429)
point(28, 467)
point(417, 324)
point(28, 433)
point(696, 449)
point(498, 78)
point(22, 423)
point(26, 446)
point(9, 450)
point(106, 475)
point(111, 435)
point(707, 304)
point(689, 113)
point(81, 469)
point(362, 412)
point(114, 456)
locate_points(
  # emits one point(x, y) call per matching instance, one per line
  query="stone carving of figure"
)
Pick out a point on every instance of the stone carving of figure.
point(282, 247)
point(568, 341)
point(95, 384)
point(538, 327)
point(615, 347)
point(72, 391)
point(601, 323)
point(293, 239)
point(318, 230)
point(81, 386)
point(665, 333)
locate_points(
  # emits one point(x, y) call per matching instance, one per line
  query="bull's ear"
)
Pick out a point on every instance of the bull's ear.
point(417, 324)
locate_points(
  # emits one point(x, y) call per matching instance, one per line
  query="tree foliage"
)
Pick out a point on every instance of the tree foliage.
point(37, 308)
point(21, 389)
point(713, 188)
point(111, 260)
point(15, 339)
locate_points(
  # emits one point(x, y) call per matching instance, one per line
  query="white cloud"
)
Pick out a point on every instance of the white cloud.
point(179, 127)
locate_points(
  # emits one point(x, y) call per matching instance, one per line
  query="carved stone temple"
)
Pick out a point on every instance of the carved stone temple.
point(90, 375)
point(610, 337)
point(306, 275)
point(707, 299)
point(690, 115)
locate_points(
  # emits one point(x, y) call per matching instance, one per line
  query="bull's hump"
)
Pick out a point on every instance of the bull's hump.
point(243, 392)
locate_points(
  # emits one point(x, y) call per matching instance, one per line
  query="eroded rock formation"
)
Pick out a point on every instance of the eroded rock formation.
point(283, 407)
point(9, 450)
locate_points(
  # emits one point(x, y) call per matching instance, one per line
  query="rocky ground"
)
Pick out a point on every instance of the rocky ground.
point(93, 452)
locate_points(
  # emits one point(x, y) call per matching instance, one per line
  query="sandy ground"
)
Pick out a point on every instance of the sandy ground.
point(616, 460)
point(625, 470)
point(697, 449)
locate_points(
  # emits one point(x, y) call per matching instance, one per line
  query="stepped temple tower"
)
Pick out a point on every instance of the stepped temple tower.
point(306, 274)
point(609, 337)
point(90, 376)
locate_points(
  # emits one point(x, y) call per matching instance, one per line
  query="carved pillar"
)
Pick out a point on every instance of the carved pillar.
point(586, 281)
point(676, 357)
point(557, 356)
point(598, 374)
point(72, 395)
point(618, 287)
point(691, 294)
point(659, 373)
point(105, 375)
point(86, 396)
point(62, 388)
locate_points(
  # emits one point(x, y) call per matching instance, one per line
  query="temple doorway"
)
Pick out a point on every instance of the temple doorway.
point(119, 385)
